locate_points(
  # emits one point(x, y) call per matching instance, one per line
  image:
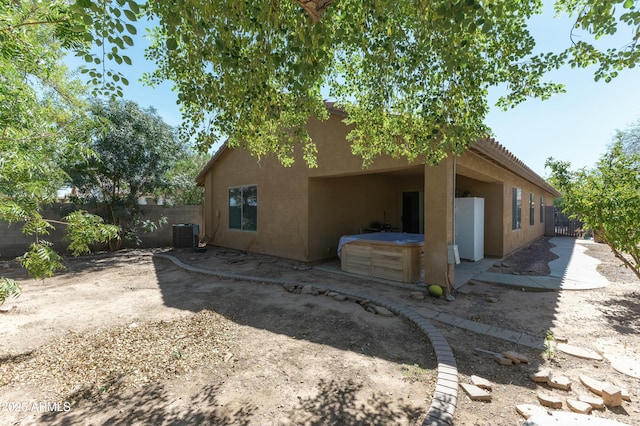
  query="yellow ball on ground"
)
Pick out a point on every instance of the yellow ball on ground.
point(435, 290)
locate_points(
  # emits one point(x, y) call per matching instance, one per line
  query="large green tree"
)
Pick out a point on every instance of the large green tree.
point(131, 159)
point(42, 123)
point(413, 75)
point(181, 177)
point(606, 199)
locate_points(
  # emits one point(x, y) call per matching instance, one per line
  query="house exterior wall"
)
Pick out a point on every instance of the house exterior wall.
point(282, 211)
point(483, 178)
point(334, 152)
point(438, 218)
point(515, 239)
point(347, 205)
point(337, 198)
point(303, 212)
point(493, 195)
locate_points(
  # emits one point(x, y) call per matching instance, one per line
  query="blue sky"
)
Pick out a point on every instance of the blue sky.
point(576, 126)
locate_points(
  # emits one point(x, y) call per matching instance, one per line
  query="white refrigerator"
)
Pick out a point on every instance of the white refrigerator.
point(469, 224)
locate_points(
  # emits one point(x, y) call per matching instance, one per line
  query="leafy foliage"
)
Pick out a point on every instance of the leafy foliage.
point(131, 159)
point(182, 176)
point(598, 20)
point(132, 231)
point(41, 260)
point(413, 75)
point(132, 155)
point(106, 28)
point(8, 288)
point(84, 229)
point(42, 123)
point(606, 199)
point(97, 31)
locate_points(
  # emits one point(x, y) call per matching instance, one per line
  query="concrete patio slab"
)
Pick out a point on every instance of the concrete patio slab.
point(573, 270)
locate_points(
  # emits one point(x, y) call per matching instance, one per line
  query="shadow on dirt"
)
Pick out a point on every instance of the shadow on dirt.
point(81, 265)
point(154, 405)
point(623, 313)
point(318, 319)
point(336, 403)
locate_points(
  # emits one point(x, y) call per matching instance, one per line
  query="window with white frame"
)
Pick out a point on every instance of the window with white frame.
point(516, 208)
point(243, 208)
point(532, 209)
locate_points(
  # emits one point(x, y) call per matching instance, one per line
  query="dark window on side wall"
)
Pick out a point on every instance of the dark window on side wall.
point(516, 208)
point(541, 209)
point(243, 208)
point(532, 209)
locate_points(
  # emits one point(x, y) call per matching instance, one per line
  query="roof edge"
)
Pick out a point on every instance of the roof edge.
point(200, 178)
point(493, 150)
point(486, 147)
point(331, 107)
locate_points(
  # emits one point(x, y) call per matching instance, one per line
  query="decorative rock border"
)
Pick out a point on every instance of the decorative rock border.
point(445, 397)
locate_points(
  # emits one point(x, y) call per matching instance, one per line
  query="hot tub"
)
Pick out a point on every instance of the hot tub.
point(390, 255)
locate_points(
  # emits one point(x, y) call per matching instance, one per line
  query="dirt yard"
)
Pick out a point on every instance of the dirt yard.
point(129, 338)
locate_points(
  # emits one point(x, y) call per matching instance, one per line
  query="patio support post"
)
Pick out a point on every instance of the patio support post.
point(210, 215)
point(438, 222)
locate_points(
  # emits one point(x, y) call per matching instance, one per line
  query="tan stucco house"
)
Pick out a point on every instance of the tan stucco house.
point(301, 213)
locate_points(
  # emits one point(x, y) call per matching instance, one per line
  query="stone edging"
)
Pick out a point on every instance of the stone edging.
point(445, 397)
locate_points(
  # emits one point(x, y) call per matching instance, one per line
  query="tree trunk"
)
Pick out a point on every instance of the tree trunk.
point(314, 8)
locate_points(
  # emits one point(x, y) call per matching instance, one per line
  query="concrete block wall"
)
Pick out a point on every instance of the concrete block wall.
point(163, 237)
point(14, 243)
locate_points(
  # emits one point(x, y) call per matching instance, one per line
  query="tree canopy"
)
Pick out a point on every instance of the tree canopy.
point(413, 75)
point(181, 179)
point(132, 155)
point(630, 138)
point(131, 158)
point(43, 123)
point(606, 199)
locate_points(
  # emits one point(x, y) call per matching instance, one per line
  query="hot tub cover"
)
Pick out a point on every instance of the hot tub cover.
point(394, 237)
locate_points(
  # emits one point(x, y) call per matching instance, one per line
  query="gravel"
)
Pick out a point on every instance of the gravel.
point(84, 365)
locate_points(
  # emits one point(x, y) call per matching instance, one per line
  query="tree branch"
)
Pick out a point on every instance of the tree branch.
point(314, 8)
point(23, 24)
point(624, 260)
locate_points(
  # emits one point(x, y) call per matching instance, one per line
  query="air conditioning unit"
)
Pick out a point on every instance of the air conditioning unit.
point(185, 235)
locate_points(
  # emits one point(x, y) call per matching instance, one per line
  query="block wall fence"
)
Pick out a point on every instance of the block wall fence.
point(14, 243)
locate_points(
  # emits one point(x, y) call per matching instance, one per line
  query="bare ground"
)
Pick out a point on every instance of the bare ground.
point(131, 339)
point(605, 320)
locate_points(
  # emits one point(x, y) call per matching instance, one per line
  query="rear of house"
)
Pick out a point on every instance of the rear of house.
point(301, 213)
